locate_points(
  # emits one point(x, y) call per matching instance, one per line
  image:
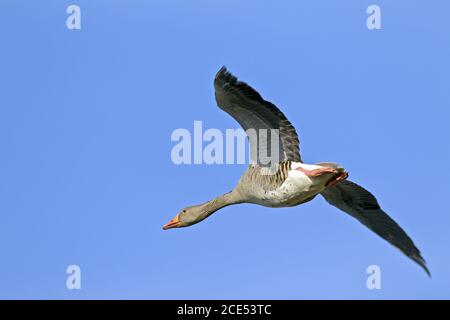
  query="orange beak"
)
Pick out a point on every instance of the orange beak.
point(174, 223)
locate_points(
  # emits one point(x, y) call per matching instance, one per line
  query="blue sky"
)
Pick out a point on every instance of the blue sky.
point(86, 118)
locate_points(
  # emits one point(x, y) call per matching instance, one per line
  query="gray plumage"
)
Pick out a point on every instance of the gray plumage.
point(251, 111)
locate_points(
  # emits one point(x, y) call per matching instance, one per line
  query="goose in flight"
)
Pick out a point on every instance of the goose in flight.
point(289, 181)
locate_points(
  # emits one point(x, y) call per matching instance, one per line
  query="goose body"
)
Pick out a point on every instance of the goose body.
point(290, 186)
point(278, 177)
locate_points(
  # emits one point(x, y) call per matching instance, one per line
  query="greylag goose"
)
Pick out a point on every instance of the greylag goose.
point(293, 182)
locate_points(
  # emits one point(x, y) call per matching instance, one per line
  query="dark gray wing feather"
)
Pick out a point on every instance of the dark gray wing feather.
point(362, 205)
point(251, 111)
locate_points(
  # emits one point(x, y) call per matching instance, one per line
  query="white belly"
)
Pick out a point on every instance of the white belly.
point(296, 189)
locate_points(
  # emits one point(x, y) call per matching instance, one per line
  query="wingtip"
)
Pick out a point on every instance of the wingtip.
point(224, 76)
point(424, 267)
point(221, 71)
point(422, 263)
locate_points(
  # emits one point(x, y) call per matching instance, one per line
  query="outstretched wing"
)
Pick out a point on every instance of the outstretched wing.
point(362, 205)
point(251, 111)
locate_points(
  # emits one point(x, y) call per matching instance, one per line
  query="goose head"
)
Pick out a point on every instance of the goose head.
point(194, 214)
point(186, 217)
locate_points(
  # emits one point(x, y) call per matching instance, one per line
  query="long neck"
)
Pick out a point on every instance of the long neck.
point(215, 204)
